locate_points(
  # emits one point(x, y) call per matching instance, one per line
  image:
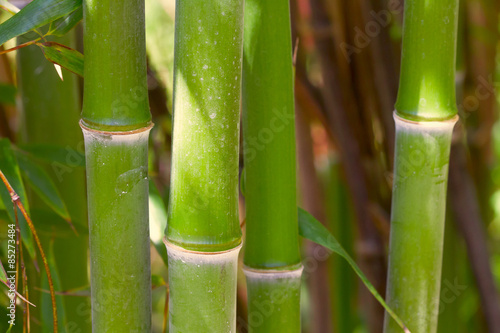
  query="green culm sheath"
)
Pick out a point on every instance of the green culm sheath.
point(425, 116)
point(202, 290)
point(273, 300)
point(272, 259)
point(119, 230)
point(203, 236)
point(116, 123)
point(417, 223)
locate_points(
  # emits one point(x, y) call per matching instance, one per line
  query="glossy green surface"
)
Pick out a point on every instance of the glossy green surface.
point(417, 227)
point(116, 94)
point(343, 283)
point(117, 188)
point(202, 292)
point(203, 208)
point(116, 99)
point(274, 305)
point(426, 93)
point(47, 102)
point(427, 84)
point(269, 137)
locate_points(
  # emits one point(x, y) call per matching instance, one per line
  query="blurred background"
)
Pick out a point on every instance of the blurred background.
point(347, 56)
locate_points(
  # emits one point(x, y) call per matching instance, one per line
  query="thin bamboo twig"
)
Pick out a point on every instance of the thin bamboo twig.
point(17, 201)
point(20, 46)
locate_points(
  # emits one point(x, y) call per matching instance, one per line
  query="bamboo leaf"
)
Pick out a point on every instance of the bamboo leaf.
point(157, 281)
point(36, 14)
point(3, 274)
point(10, 168)
point(64, 156)
point(42, 185)
point(50, 224)
point(157, 221)
point(64, 24)
point(64, 56)
point(313, 230)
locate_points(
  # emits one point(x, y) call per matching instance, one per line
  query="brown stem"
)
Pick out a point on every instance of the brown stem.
point(372, 250)
point(17, 201)
point(312, 199)
point(470, 225)
point(20, 46)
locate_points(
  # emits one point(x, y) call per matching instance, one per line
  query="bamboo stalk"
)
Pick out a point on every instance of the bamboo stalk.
point(343, 279)
point(45, 97)
point(116, 122)
point(272, 259)
point(203, 236)
point(425, 116)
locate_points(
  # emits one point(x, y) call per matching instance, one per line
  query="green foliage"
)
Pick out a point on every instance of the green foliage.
point(63, 25)
point(50, 224)
point(35, 15)
point(63, 56)
point(10, 168)
point(55, 154)
point(313, 230)
point(42, 184)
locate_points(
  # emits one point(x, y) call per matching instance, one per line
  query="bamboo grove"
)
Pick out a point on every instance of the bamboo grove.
point(249, 166)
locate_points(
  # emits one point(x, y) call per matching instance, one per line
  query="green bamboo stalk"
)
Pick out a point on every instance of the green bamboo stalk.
point(343, 280)
point(272, 259)
point(116, 123)
point(425, 116)
point(203, 237)
point(45, 98)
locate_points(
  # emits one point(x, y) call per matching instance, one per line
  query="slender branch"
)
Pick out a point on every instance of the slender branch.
point(20, 46)
point(17, 201)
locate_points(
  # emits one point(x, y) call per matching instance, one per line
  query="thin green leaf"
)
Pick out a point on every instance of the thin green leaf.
point(157, 281)
point(52, 225)
point(157, 221)
point(42, 185)
point(313, 230)
point(3, 274)
point(36, 14)
point(63, 25)
point(10, 168)
point(63, 56)
point(8, 94)
point(56, 155)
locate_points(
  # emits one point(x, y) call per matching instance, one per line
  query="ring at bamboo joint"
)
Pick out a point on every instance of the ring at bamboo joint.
point(433, 125)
